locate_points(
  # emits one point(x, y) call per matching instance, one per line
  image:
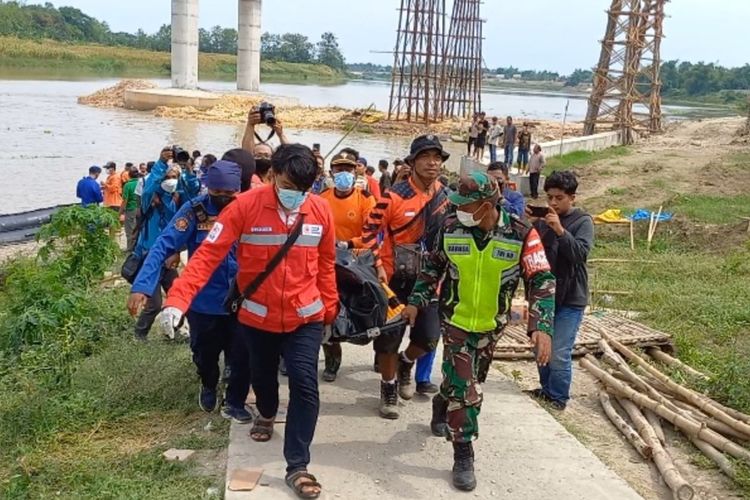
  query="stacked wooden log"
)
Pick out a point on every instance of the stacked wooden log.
point(647, 397)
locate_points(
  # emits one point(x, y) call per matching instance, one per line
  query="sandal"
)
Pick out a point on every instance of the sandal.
point(302, 482)
point(262, 430)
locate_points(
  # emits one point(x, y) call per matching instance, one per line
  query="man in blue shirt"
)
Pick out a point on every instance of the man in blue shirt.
point(158, 206)
point(88, 189)
point(212, 328)
point(513, 201)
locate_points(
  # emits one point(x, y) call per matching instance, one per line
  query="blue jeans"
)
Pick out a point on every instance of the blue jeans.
point(424, 367)
point(509, 155)
point(300, 350)
point(210, 334)
point(523, 157)
point(557, 376)
point(493, 153)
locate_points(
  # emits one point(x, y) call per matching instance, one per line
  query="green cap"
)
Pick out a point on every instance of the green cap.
point(473, 187)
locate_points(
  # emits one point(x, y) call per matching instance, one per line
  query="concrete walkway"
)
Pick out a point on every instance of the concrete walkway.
point(522, 453)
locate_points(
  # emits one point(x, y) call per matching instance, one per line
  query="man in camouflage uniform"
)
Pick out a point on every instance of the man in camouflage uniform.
point(481, 253)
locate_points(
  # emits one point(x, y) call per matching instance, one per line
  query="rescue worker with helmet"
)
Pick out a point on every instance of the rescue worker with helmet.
point(480, 255)
point(289, 302)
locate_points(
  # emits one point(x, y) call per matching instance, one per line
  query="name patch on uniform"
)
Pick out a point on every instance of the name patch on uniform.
point(459, 249)
point(261, 229)
point(312, 230)
point(215, 232)
point(502, 254)
point(205, 226)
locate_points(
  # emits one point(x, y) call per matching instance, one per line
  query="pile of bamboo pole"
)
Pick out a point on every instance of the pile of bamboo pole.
point(647, 398)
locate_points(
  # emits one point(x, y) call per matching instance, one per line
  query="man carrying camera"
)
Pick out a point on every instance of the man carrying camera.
point(264, 113)
point(158, 206)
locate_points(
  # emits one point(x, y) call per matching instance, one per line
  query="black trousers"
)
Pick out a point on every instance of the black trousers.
point(534, 184)
point(210, 335)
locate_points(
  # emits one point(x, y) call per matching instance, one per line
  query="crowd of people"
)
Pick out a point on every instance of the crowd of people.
point(262, 227)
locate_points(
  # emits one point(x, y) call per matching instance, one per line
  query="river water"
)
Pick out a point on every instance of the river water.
point(48, 140)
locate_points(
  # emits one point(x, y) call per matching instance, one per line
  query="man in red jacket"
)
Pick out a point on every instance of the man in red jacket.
point(286, 314)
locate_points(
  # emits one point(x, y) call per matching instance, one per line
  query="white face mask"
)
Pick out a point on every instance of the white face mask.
point(466, 219)
point(169, 185)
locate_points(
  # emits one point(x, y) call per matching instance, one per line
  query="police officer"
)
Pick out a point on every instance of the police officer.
point(212, 328)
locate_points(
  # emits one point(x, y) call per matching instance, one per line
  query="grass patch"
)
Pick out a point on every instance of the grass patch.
point(711, 209)
point(578, 159)
point(53, 57)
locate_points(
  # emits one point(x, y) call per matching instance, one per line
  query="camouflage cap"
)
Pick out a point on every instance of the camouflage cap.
point(473, 187)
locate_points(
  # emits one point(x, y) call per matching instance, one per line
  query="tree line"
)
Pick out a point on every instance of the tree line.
point(69, 24)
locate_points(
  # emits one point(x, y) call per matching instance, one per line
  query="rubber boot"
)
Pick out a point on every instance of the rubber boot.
point(332, 362)
point(389, 400)
point(463, 467)
point(438, 424)
point(405, 383)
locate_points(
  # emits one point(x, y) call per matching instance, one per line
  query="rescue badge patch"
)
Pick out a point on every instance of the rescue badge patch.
point(181, 224)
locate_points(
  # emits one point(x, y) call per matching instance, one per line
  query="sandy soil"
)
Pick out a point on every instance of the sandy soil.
point(687, 158)
point(585, 419)
point(233, 108)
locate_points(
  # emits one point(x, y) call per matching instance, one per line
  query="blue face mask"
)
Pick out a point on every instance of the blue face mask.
point(343, 181)
point(291, 199)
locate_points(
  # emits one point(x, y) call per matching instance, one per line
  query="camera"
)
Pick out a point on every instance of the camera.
point(180, 155)
point(267, 113)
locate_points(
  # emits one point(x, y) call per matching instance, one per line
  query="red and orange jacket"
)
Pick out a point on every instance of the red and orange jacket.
point(392, 216)
point(302, 288)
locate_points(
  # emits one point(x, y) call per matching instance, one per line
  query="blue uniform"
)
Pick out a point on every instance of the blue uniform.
point(514, 202)
point(188, 187)
point(158, 216)
point(89, 191)
point(184, 230)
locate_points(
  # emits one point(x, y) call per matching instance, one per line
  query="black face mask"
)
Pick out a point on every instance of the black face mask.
point(220, 201)
point(262, 166)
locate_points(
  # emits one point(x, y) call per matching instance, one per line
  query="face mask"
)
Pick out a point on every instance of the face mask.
point(262, 165)
point(169, 185)
point(291, 199)
point(466, 219)
point(343, 181)
point(220, 201)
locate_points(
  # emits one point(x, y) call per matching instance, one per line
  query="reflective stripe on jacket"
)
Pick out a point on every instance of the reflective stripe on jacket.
point(302, 288)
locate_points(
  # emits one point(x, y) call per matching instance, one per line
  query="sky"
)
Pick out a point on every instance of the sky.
point(557, 35)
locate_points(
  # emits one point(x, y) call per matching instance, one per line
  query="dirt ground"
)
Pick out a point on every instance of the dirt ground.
point(585, 419)
point(689, 157)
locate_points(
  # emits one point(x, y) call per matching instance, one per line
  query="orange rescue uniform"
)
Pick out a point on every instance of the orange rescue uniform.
point(350, 213)
point(393, 215)
point(302, 288)
point(113, 191)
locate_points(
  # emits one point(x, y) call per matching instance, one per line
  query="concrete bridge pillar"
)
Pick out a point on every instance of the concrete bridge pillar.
point(248, 45)
point(185, 44)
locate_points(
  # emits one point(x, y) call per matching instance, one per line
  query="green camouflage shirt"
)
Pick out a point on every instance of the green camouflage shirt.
point(531, 266)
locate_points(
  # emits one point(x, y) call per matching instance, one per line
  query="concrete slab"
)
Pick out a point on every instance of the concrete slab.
point(522, 452)
point(148, 99)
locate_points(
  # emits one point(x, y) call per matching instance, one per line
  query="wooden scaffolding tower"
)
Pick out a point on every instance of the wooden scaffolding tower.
point(416, 77)
point(437, 71)
point(626, 94)
point(462, 61)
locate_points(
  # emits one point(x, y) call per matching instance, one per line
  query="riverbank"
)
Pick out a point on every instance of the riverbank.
point(233, 108)
point(49, 58)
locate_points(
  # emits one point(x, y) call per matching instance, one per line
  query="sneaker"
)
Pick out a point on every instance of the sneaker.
point(389, 400)
point(239, 415)
point(405, 385)
point(537, 393)
point(427, 388)
point(438, 424)
point(207, 399)
point(329, 376)
point(332, 362)
point(463, 467)
point(557, 405)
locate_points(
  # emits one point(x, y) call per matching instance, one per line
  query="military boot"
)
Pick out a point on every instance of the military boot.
point(438, 424)
point(463, 466)
point(389, 400)
point(405, 384)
